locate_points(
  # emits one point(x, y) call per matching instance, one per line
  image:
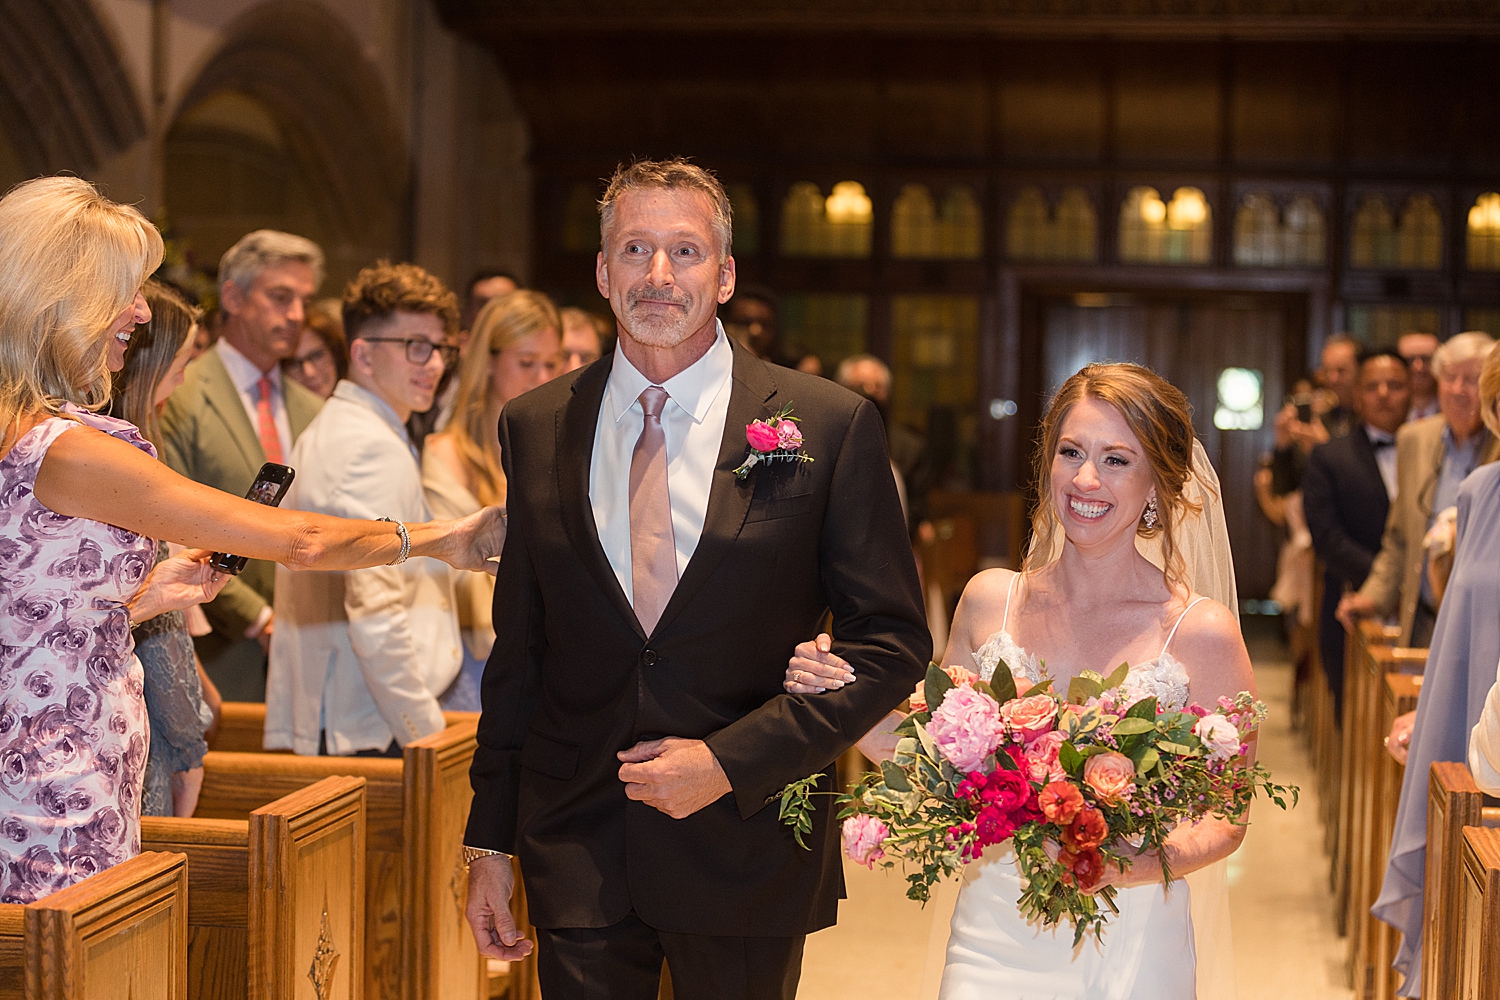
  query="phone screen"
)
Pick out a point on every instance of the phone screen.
point(270, 486)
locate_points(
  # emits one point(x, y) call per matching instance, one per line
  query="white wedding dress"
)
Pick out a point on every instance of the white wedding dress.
point(1146, 953)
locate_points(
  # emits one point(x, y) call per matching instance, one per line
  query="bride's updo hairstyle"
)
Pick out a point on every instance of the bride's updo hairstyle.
point(1160, 417)
point(71, 260)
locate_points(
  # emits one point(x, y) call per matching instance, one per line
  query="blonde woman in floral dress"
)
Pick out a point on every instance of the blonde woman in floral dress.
point(82, 500)
point(1115, 455)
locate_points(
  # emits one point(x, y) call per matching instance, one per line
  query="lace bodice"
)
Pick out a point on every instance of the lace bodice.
point(1164, 678)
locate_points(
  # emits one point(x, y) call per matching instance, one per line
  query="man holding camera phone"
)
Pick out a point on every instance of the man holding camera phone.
point(1305, 423)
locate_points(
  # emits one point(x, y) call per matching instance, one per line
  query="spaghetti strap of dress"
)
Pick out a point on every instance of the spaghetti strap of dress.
point(1173, 634)
point(1005, 621)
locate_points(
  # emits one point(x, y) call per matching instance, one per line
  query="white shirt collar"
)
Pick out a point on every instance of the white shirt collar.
point(242, 371)
point(693, 389)
point(351, 392)
point(1378, 436)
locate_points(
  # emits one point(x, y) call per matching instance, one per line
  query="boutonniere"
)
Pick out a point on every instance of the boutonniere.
point(777, 439)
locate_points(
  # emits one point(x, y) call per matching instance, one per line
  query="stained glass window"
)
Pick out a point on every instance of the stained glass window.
point(1157, 232)
point(1484, 233)
point(1374, 242)
point(1267, 236)
point(1069, 234)
point(936, 354)
point(1304, 233)
point(1383, 325)
point(831, 326)
point(1419, 238)
point(923, 228)
point(840, 225)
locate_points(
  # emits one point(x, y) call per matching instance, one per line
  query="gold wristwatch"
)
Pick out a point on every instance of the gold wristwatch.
point(473, 854)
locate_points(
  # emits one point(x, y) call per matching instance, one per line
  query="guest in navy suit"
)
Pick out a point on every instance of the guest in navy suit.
point(1347, 491)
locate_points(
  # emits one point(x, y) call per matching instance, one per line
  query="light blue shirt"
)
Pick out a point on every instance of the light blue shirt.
point(1458, 461)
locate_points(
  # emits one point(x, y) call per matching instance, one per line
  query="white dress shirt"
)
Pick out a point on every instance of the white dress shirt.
point(1385, 457)
point(693, 422)
point(246, 378)
point(361, 654)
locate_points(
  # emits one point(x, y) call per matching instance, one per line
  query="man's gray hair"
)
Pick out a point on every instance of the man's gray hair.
point(1460, 348)
point(265, 248)
point(676, 174)
point(845, 375)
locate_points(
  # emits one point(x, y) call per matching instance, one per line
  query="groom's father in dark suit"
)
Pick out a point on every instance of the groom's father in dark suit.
point(635, 734)
point(1347, 491)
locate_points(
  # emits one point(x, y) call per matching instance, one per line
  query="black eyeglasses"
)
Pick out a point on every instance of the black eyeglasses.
point(419, 351)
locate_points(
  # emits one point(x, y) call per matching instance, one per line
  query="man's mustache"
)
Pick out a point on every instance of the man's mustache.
point(651, 295)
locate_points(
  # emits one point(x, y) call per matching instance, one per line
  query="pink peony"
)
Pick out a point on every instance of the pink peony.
point(1031, 717)
point(960, 676)
point(966, 728)
point(1110, 776)
point(1041, 757)
point(1220, 738)
point(761, 435)
point(863, 837)
point(788, 435)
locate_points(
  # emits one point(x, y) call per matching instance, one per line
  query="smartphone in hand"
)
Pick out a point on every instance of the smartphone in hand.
point(270, 486)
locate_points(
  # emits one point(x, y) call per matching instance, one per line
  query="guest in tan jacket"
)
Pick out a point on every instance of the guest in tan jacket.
point(1433, 457)
point(514, 347)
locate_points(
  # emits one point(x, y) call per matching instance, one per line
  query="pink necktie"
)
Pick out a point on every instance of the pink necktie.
point(270, 441)
point(653, 549)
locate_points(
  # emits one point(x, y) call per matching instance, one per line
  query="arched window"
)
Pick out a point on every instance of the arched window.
point(1076, 231)
point(914, 223)
point(580, 228)
point(746, 218)
point(1027, 235)
point(1374, 243)
point(1257, 232)
point(1484, 235)
point(960, 225)
point(1175, 232)
point(1419, 240)
point(1069, 235)
point(837, 226)
point(1305, 235)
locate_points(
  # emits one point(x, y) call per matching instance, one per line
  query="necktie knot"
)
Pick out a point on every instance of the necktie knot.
point(653, 401)
point(263, 388)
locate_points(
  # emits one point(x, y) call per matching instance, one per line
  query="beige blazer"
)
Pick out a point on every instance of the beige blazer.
point(1395, 581)
point(208, 437)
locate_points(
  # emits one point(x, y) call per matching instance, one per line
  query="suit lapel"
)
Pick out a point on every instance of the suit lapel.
point(576, 423)
point(224, 399)
point(751, 389)
point(1364, 453)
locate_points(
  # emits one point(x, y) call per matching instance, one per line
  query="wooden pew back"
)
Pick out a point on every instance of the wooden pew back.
point(118, 935)
point(1479, 942)
point(276, 897)
point(1453, 802)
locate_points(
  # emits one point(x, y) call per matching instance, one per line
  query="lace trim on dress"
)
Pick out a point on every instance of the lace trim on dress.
point(1162, 678)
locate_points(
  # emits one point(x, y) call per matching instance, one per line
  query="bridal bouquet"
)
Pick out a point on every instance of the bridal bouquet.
point(1077, 784)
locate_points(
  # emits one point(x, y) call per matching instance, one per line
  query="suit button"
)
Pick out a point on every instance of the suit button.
point(649, 657)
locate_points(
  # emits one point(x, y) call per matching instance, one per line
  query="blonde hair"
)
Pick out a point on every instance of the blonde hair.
point(504, 322)
point(1160, 417)
point(1489, 392)
point(676, 174)
point(71, 261)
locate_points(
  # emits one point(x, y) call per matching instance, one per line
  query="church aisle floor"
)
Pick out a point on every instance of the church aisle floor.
point(1285, 944)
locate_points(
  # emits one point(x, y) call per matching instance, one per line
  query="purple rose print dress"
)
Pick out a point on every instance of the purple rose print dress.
point(73, 726)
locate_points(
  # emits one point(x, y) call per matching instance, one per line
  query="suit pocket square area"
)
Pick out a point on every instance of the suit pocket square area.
point(554, 758)
point(772, 508)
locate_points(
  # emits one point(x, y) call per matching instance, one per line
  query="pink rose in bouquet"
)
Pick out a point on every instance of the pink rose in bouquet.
point(1060, 801)
point(788, 435)
point(1220, 738)
point(1031, 717)
point(1110, 776)
point(960, 676)
point(1042, 758)
point(863, 837)
point(762, 436)
point(966, 728)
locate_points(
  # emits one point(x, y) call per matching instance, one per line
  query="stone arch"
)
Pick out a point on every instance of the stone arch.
point(66, 101)
point(303, 66)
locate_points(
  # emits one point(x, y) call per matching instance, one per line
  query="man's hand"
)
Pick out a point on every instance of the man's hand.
point(1353, 607)
point(491, 883)
point(674, 775)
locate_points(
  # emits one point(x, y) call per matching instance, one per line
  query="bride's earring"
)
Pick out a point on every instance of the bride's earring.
point(1149, 517)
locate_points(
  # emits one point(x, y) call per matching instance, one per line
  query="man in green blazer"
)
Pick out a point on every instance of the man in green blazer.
point(235, 412)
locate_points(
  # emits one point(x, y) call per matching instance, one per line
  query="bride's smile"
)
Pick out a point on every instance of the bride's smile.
point(1099, 468)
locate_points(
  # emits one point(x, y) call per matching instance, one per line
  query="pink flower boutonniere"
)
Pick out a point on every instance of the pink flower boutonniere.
point(777, 439)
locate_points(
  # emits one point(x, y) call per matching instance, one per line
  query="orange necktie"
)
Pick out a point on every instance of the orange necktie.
point(270, 441)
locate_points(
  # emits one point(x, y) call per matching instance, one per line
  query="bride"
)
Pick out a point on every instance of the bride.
point(1115, 456)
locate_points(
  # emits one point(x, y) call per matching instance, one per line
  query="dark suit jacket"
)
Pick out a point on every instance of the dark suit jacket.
point(1346, 505)
point(573, 678)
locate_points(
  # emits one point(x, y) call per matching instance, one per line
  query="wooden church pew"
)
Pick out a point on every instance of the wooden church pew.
point(1399, 696)
point(1479, 915)
point(119, 935)
point(242, 727)
point(276, 899)
point(1453, 803)
point(417, 943)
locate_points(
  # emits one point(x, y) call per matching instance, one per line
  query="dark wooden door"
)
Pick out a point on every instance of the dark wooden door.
point(1190, 341)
